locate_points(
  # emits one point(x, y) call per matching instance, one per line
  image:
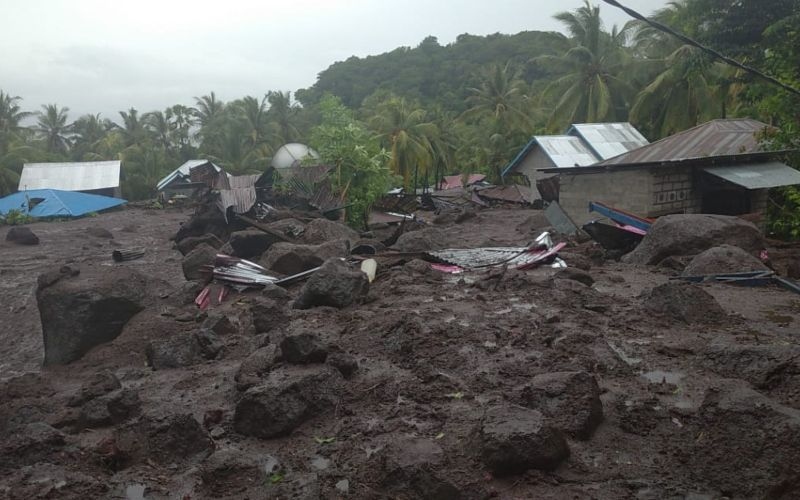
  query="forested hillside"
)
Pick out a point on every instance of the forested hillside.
point(468, 106)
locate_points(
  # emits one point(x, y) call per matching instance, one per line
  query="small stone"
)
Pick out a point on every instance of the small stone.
point(303, 349)
point(345, 363)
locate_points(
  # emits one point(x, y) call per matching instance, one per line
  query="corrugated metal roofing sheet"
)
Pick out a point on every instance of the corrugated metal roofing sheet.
point(183, 171)
point(607, 140)
point(566, 150)
point(714, 138)
point(242, 200)
point(77, 176)
point(758, 175)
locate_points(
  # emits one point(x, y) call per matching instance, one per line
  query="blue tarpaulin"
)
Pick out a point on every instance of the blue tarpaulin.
point(56, 203)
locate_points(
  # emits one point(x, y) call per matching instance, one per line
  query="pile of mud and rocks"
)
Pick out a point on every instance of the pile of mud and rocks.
point(604, 379)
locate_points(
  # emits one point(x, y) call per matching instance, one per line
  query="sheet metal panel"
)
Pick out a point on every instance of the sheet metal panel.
point(566, 150)
point(715, 138)
point(78, 176)
point(183, 171)
point(608, 140)
point(758, 175)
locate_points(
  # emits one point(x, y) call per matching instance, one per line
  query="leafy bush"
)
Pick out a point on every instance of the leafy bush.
point(16, 218)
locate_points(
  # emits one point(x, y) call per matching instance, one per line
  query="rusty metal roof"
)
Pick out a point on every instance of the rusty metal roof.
point(723, 137)
point(76, 176)
point(607, 140)
point(457, 181)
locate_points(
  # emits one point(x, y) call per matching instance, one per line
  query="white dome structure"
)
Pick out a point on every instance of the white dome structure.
point(288, 154)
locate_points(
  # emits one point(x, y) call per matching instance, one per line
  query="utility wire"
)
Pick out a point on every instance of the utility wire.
point(685, 39)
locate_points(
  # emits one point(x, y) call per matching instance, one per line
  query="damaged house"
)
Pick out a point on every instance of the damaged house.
point(718, 167)
point(188, 178)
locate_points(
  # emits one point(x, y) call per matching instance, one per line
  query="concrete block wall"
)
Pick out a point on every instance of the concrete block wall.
point(673, 192)
point(629, 190)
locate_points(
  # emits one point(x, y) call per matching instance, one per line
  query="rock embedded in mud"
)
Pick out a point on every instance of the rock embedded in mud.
point(112, 408)
point(285, 399)
point(409, 466)
point(289, 259)
point(254, 367)
point(250, 243)
point(29, 444)
point(569, 400)
point(81, 312)
point(321, 230)
point(422, 240)
point(219, 323)
point(684, 302)
point(99, 232)
point(22, 236)
point(764, 366)
point(690, 234)
point(194, 263)
point(183, 350)
point(267, 315)
point(345, 363)
point(723, 259)
point(303, 349)
point(99, 384)
point(163, 440)
point(188, 244)
point(515, 439)
point(336, 285)
point(574, 274)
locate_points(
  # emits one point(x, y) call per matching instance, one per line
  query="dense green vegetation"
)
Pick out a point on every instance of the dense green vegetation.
point(418, 113)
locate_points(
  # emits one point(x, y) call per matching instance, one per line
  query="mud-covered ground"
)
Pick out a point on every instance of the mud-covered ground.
point(707, 409)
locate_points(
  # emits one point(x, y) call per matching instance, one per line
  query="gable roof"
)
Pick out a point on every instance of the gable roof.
point(563, 150)
point(56, 203)
point(76, 176)
point(723, 137)
point(607, 140)
point(183, 172)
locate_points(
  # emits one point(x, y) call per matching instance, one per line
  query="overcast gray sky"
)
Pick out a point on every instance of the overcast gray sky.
point(100, 56)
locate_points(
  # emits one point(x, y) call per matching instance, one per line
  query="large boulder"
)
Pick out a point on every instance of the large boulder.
point(422, 240)
point(285, 400)
point(82, 310)
point(321, 230)
point(267, 314)
point(249, 243)
point(334, 285)
point(723, 259)
point(690, 234)
point(163, 440)
point(570, 401)
point(289, 259)
point(189, 243)
point(22, 236)
point(183, 350)
point(194, 262)
point(683, 302)
point(514, 439)
point(764, 366)
point(303, 349)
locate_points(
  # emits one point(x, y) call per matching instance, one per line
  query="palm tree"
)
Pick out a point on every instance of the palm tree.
point(11, 115)
point(87, 132)
point(499, 97)
point(254, 119)
point(207, 109)
point(282, 113)
point(408, 135)
point(132, 129)
point(590, 89)
point(53, 129)
point(159, 126)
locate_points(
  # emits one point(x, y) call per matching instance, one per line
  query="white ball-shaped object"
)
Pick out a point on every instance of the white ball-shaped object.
point(288, 154)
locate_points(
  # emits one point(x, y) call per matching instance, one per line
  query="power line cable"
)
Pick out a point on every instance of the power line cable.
point(685, 39)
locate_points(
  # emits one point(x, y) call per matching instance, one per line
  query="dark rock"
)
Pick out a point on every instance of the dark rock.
point(569, 400)
point(188, 244)
point(187, 292)
point(164, 441)
point(30, 443)
point(99, 232)
point(79, 314)
point(465, 214)
point(210, 344)
point(194, 262)
point(231, 472)
point(27, 385)
point(764, 366)
point(183, 350)
point(576, 260)
point(274, 292)
point(303, 349)
point(418, 266)
point(251, 243)
point(286, 399)
point(254, 367)
point(690, 234)
point(289, 259)
point(267, 315)
point(101, 383)
point(334, 285)
point(409, 466)
point(683, 301)
point(422, 240)
point(219, 324)
point(291, 228)
point(723, 259)
point(575, 274)
point(514, 439)
point(22, 236)
point(322, 230)
point(112, 408)
point(209, 221)
point(51, 276)
point(345, 363)
point(758, 439)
